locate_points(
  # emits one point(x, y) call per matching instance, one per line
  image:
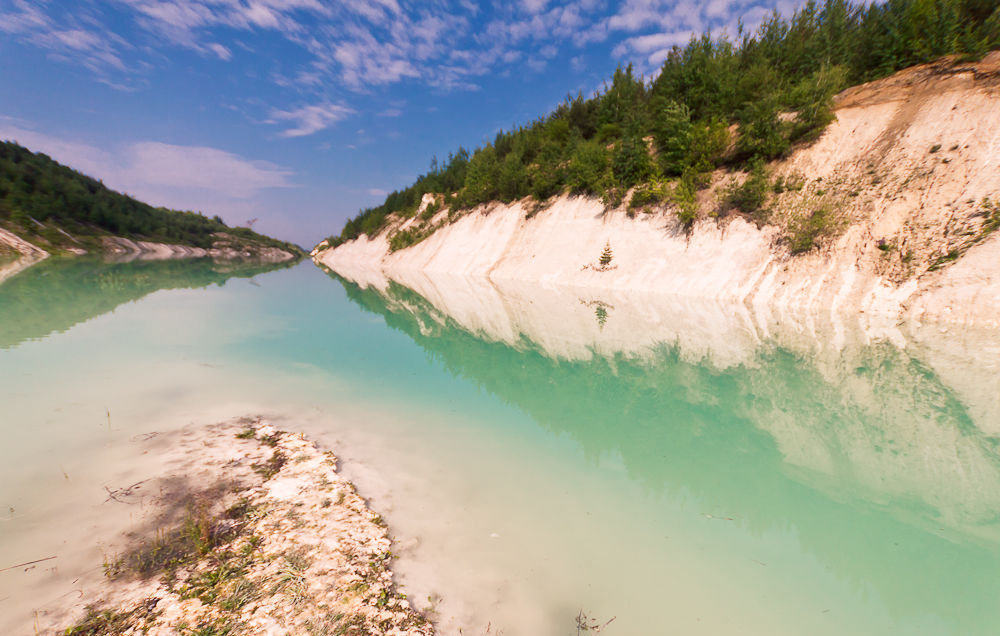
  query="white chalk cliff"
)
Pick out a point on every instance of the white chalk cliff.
point(904, 171)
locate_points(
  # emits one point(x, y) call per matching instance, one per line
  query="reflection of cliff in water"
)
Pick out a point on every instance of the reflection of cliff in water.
point(854, 442)
point(57, 294)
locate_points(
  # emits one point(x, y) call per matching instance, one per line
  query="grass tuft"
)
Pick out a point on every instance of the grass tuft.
point(170, 548)
point(272, 466)
point(805, 233)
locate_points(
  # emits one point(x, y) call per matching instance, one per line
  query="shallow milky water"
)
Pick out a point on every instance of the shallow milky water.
point(683, 468)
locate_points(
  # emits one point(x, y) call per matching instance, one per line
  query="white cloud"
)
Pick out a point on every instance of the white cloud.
point(635, 15)
point(361, 45)
point(95, 49)
point(261, 16)
point(654, 47)
point(223, 53)
point(184, 177)
point(198, 167)
point(670, 23)
point(24, 19)
point(647, 43)
point(311, 119)
point(358, 43)
point(536, 65)
point(534, 6)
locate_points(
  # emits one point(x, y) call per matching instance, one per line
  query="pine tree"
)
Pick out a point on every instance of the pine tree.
point(672, 132)
point(606, 255)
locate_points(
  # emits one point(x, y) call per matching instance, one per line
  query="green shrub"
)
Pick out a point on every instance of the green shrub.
point(806, 231)
point(672, 133)
point(643, 196)
point(750, 196)
point(762, 133)
point(589, 168)
point(609, 133)
point(812, 98)
point(612, 196)
point(709, 141)
point(558, 132)
point(685, 197)
point(631, 163)
point(991, 210)
point(481, 178)
point(941, 261)
point(650, 193)
point(405, 238)
point(548, 175)
point(512, 181)
point(432, 208)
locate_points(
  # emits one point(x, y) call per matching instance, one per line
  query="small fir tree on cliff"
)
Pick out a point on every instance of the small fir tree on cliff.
point(606, 255)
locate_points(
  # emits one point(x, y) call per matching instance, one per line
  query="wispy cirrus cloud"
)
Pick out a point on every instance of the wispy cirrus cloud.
point(341, 50)
point(74, 37)
point(157, 164)
point(188, 22)
point(360, 43)
point(660, 25)
point(310, 119)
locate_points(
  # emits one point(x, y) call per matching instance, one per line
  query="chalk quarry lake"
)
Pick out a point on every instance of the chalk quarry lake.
point(679, 466)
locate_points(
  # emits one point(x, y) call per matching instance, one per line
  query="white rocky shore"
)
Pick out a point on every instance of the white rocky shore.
point(26, 254)
point(271, 540)
point(123, 249)
point(17, 254)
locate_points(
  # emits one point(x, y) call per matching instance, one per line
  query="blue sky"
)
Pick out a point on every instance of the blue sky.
point(300, 112)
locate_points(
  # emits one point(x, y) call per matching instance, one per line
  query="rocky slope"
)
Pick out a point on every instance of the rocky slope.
point(898, 195)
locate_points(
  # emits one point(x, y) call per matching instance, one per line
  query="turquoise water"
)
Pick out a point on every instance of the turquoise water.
point(556, 452)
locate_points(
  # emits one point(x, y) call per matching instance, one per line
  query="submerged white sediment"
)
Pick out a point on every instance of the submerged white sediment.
point(630, 480)
point(252, 530)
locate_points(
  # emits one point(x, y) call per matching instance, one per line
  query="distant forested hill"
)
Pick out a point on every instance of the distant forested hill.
point(48, 201)
point(774, 88)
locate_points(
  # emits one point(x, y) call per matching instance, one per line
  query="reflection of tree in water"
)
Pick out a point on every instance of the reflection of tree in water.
point(602, 316)
point(871, 459)
point(55, 295)
point(600, 310)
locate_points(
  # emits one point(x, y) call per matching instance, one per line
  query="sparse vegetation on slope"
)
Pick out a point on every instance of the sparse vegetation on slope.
point(774, 88)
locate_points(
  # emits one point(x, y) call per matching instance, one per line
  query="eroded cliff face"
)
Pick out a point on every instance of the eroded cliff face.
point(903, 175)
